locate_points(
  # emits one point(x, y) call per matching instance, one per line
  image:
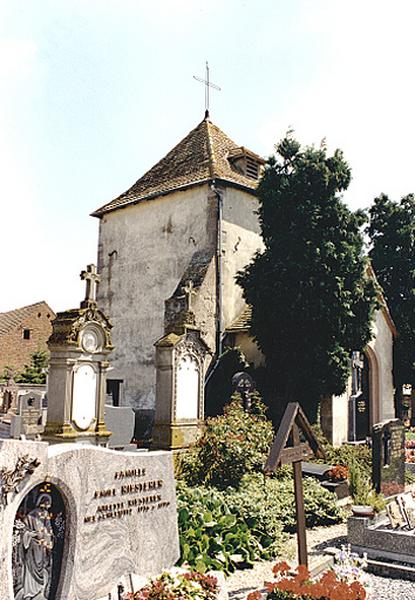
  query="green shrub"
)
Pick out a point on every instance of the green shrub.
point(273, 503)
point(232, 445)
point(212, 536)
point(230, 529)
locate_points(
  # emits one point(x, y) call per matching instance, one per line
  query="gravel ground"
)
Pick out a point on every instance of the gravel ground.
point(240, 583)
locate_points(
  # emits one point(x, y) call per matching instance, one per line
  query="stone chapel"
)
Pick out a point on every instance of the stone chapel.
point(169, 248)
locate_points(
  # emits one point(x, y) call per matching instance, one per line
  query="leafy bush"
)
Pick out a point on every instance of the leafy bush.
point(214, 537)
point(230, 529)
point(232, 445)
point(361, 489)
point(269, 503)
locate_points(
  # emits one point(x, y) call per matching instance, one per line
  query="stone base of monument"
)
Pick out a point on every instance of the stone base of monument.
point(375, 538)
point(175, 436)
point(84, 517)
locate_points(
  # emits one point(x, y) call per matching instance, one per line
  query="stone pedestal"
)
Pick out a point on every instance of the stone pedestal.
point(180, 362)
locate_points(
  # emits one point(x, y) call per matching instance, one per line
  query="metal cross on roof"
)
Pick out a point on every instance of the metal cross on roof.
point(208, 85)
point(92, 279)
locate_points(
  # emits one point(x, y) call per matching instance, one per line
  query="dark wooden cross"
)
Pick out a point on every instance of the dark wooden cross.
point(92, 279)
point(208, 85)
point(294, 421)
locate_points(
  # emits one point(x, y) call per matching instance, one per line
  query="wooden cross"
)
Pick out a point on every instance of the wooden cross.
point(92, 279)
point(189, 291)
point(208, 85)
point(293, 420)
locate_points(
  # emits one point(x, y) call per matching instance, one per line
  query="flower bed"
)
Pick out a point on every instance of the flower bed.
point(178, 584)
point(345, 581)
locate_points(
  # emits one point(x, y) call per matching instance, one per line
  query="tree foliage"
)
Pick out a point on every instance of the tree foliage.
point(392, 232)
point(311, 301)
point(36, 371)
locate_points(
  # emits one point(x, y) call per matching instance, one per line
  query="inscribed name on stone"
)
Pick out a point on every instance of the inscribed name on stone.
point(99, 514)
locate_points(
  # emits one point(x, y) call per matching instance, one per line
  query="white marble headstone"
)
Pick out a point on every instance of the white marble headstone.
point(84, 396)
point(188, 381)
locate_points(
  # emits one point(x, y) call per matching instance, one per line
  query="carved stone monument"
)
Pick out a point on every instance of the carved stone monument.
point(79, 347)
point(79, 521)
point(180, 363)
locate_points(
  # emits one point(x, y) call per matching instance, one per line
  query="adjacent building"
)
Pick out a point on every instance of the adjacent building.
point(24, 331)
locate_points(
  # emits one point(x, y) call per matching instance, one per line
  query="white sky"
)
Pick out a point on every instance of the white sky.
point(94, 92)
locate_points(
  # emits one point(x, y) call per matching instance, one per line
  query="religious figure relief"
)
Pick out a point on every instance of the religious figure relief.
point(38, 538)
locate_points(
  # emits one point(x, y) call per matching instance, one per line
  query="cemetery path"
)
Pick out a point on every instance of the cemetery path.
point(240, 583)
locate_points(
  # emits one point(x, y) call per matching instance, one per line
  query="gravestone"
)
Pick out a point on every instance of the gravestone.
point(180, 363)
point(28, 420)
point(79, 348)
point(388, 457)
point(120, 420)
point(77, 519)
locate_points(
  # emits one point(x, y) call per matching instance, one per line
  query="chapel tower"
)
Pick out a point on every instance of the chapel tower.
point(169, 249)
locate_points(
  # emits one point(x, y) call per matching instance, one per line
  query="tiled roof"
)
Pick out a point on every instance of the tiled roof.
point(13, 318)
point(200, 157)
point(242, 321)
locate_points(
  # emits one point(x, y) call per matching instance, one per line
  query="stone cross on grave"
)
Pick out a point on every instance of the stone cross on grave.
point(92, 279)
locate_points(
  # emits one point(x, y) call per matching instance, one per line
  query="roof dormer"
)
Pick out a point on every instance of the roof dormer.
point(246, 163)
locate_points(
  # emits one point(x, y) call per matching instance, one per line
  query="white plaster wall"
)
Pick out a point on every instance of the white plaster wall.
point(241, 239)
point(382, 346)
point(143, 252)
point(340, 417)
point(249, 348)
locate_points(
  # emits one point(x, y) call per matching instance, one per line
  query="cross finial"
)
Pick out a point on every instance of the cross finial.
point(208, 85)
point(189, 291)
point(92, 279)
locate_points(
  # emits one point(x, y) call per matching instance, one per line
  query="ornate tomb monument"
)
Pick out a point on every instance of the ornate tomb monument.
point(78, 519)
point(180, 361)
point(79, 346)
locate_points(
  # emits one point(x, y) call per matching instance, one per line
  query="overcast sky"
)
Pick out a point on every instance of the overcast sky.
point(94, 92)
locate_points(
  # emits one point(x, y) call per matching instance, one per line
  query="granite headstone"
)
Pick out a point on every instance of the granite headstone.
point(78, 519)
point(388, 457)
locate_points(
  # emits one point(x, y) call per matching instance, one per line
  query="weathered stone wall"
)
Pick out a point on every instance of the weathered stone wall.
point(241, 239)
point(144, 250)
point(15, 351)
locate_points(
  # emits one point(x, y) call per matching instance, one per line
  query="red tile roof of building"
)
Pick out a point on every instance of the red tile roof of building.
point(199, 158)
point(13, 318)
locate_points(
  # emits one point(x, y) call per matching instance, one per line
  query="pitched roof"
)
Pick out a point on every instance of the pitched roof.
point(242, 321)
point(13, 318)
point(200, 157)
